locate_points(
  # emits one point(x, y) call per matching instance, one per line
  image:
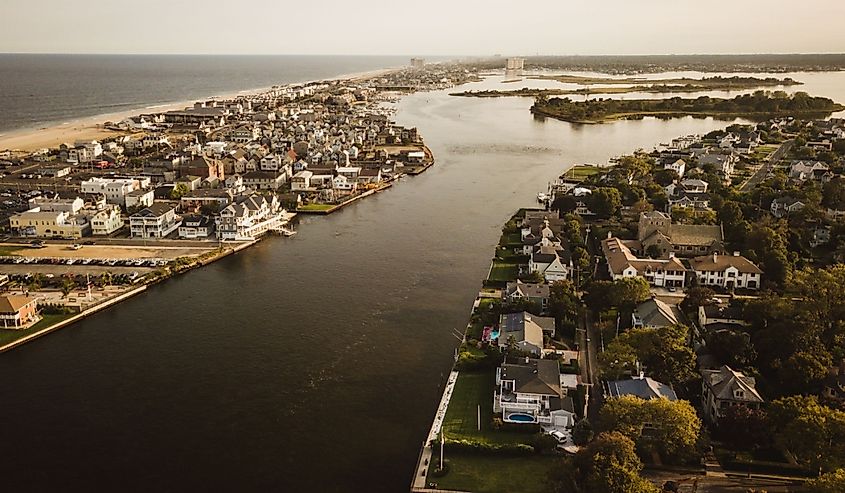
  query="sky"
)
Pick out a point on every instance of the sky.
point(423, 27)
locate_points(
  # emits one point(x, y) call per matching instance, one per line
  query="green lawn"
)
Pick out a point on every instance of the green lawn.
point(582, 172)
point(511, 239)
point(315, 207)
point(473, 390)
point(9, 251)
point(492, 474)
point(503, 271)
point(7, 336)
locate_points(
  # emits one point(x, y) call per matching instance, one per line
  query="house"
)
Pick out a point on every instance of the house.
point(115, 189)
point(155, 221)
point(196, 227)
point(248, 218)
point(726, 387)
point(142, 197)
point(724, 316)
point(784, 206)
point(531, 392)
point(263, 180)
point(695, 200)
point(551, 262)
point(621, 263)
point(18, 312)
point(301, 181)
point(654, 314)
point(655, 229)
point(106, 220)
point(805, 170)
point(209, 198)
point(678, 167)
point(726, 271)
point(525, 331)
point(641, 386)
point(518, 291)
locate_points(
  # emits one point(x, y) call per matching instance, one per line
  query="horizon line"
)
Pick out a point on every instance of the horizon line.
point(496, 55)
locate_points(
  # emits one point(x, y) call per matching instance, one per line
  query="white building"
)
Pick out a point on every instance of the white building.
point(114, 189)
point(249, 218)
point(726, 271)
point(531, 392)
point(621, 263)
point(156, 221)
point(106, 221)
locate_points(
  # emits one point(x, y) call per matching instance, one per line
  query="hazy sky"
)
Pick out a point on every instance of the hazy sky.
point(425, 27)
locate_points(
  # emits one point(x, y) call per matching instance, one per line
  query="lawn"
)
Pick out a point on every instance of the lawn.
point(9, 251)
point(475, 389)
point(503, 271)
point(315, 207)
point(492, 474)
point(8, 336)
point(582, 172)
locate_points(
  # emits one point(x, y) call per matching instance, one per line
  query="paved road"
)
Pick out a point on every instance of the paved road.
point(588, 361)
point(767, 167)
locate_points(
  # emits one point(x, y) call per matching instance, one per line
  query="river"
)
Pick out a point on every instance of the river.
point(311, 363)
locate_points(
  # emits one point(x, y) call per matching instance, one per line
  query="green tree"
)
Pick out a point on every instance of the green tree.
point(669, 427)
point(744, 428)
point(598, 295)
point(698, 296)
point(605, 202)
point(813, 433)
point(609, 464)
point(582, 432)
point(563, 301)
point(732, 348)
point(664, 352)
point(628, 292)
point(178, 191)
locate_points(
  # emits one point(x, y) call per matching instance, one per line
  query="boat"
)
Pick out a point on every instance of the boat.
point(542, 197)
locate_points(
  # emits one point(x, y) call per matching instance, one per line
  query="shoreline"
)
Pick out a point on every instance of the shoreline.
point(51, 134)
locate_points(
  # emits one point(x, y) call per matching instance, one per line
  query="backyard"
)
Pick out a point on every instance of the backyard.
point(9, 336)
point(495, 474)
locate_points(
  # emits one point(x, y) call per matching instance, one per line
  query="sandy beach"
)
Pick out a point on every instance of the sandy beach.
point(91, 128)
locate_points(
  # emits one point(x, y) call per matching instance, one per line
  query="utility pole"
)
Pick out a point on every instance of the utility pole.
point(441, 449)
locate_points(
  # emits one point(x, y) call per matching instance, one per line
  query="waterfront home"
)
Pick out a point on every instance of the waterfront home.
point(621, 263)
point(106, 220)
point(655, 314)
point(249, 218)
point(370, 176)
point(518, 291)
point(525, 331)
point(196, 227)
point(656, 231)
point(18, 312)
point(640, 386)
point(155, 221)
point(343, 184)
point(531, 392)
point(551, 262)
point(726, 387)
point(301, 181)
point(726, 271)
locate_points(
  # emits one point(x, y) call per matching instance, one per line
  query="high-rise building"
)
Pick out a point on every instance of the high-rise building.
point(515, 63)
point(417, 62)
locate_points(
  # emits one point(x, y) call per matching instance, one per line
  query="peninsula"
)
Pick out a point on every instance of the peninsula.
point(760, 105)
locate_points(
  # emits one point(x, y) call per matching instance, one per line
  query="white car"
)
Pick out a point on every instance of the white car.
point(559, 435)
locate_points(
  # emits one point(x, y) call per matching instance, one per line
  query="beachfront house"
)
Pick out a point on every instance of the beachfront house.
point(531, 392)
point(155, 221)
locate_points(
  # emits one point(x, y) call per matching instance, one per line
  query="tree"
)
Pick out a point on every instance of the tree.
point(597, 295)
point(669, 427)
point(698, 296)
point(617, 360)
point(563, 301)
point(605, 202)
point(744, 428)
point(664, 352)
point(564, 204)
point(732, 348)
point(582, 432)
point(832, 482)
point(813, 433)
point(666, 177)
point(628, 292)
point(178, 191)
point(609, 464)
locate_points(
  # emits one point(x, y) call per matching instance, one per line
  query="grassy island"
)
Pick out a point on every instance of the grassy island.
point(758, 105)
point(629, 85)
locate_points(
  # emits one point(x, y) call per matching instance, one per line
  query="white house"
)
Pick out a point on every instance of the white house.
point(679, 166)
point(106, 221)
point(155, 221)
point(553, 263)
point(726, 271)
point(621, 263)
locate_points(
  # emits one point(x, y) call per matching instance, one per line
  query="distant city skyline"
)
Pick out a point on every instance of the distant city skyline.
point(433, 28)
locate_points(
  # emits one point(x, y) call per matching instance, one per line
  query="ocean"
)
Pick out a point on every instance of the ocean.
point(41, 90)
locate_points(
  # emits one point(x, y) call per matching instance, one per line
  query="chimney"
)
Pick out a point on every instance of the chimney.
point(715, 257)
point(736, 254)
point(527, 360)
point(609, 235)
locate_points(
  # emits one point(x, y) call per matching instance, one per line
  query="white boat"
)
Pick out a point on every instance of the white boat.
point(542, 197)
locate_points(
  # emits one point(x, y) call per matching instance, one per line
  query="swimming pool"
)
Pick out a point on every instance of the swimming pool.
point(520, 418)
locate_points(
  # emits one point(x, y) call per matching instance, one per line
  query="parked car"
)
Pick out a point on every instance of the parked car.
point(558, 435)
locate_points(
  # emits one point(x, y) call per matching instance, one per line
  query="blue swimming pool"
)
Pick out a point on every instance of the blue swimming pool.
point(520, 418)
